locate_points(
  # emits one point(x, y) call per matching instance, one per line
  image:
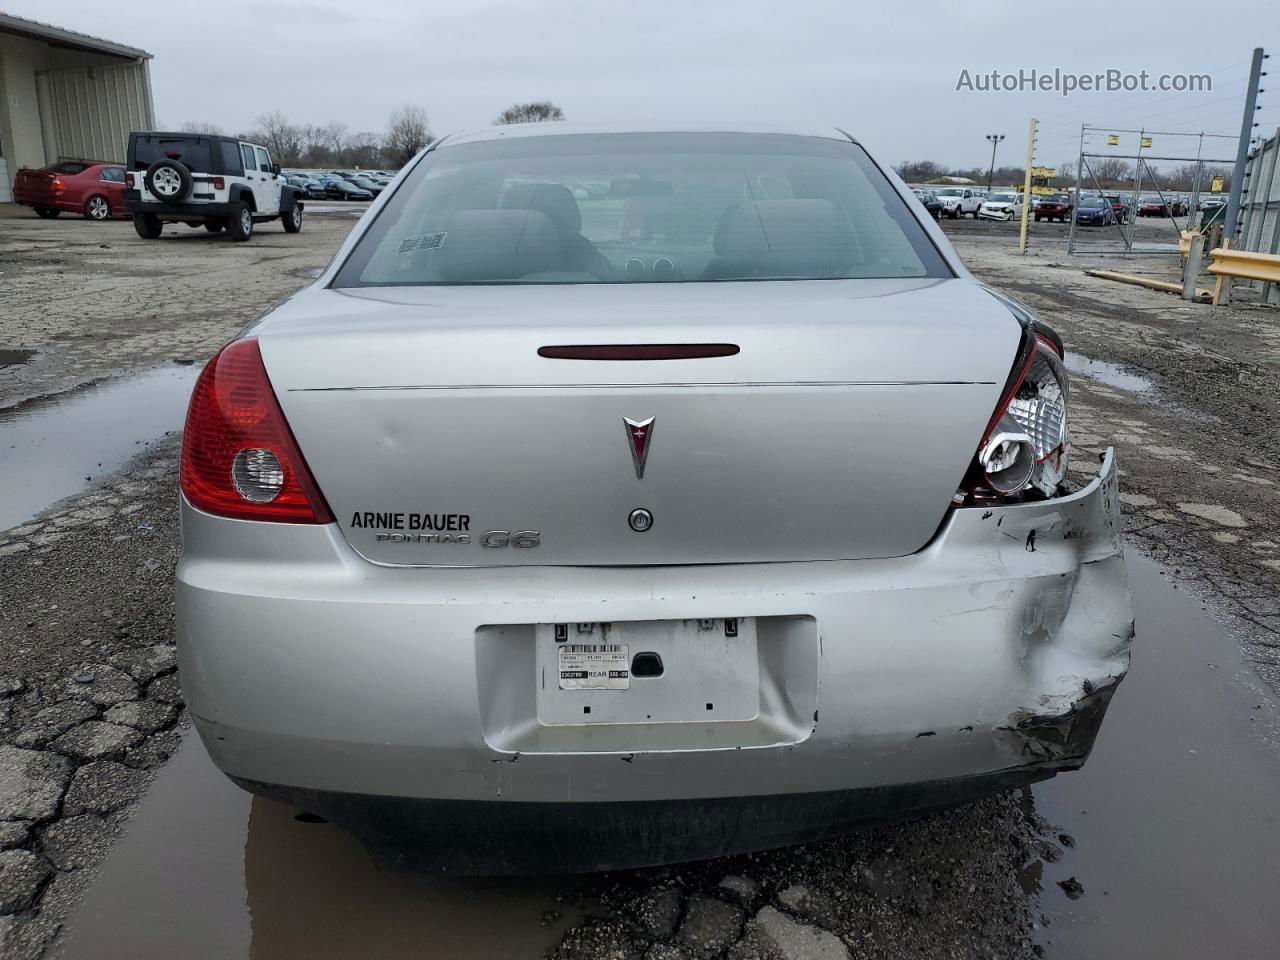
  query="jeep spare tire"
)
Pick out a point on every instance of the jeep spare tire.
point(168, 180)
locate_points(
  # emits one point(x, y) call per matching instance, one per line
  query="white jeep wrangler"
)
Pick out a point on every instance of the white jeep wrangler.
point(204, 180)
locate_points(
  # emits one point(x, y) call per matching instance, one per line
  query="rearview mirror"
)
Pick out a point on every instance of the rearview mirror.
point(275, 168)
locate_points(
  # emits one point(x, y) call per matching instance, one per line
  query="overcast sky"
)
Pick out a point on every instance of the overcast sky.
point(885, 72)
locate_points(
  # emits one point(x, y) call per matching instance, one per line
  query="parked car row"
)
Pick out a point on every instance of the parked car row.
point(340, 184)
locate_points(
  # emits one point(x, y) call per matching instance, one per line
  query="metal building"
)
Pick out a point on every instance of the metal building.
point(66, 94)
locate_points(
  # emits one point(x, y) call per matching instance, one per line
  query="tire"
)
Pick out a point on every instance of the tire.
point(97, 207)
point(240, 223)
point(292, 218)
point(148, 226)
point(47, 213)
point(214, 226)
point(168, 180)
point(954, 214)
point(1037, 219)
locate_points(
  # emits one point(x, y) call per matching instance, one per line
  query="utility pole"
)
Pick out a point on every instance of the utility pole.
point(1026, 186)
point(995, 139)
point(1242, 150)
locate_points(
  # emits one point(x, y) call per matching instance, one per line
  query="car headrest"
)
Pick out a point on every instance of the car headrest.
point(483, 245)
point(788, 229)
point(553, 199)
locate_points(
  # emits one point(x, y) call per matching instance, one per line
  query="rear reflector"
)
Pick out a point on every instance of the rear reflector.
point(239, 457)
point(639, 351)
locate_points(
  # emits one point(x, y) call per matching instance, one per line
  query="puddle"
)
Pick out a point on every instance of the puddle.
point(49, 448)
point(1174, 817)
point(1122, 378)
point(12, 358)
point(206, 872)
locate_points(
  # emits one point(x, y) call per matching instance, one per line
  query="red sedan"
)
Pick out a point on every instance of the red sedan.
point(92, 189)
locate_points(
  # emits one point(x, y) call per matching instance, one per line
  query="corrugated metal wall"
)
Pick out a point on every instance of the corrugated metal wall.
point(88, 111)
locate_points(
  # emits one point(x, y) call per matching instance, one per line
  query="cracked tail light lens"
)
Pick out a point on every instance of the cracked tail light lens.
point(239, 457)
point(1027, 445)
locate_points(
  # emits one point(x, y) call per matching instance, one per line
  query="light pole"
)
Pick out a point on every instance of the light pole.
point(995, 139)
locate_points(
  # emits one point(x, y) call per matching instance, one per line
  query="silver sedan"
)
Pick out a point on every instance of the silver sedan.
point(621, 496)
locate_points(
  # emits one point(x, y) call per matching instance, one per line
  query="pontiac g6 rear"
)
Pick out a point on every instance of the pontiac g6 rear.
point(694, 448)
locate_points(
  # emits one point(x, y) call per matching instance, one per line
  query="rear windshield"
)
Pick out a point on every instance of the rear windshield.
point(195, 152)
point(68, 167)
point(615, 208)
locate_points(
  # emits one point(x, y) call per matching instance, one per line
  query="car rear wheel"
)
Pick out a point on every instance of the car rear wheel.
point(148, 226)
point(97, 208)
point(47, 213)
point(292, 219)
point(240, 223)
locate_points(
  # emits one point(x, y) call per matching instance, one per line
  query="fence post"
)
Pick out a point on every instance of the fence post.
point(1191, 269)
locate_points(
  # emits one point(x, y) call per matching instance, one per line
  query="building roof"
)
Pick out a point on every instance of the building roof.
point(69, 39)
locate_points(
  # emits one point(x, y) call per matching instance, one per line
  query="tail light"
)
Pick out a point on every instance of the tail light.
point(218, 182)
point(130, 181)
point(239, 457)
point(1026, 446)
point(58, 186)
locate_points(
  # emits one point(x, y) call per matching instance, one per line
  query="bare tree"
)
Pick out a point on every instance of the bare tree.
point(1108, 171)
point(283, 139)
point(919, 171)
point(407, 134)
point(362, 150)
point(199, 126)
point(536, 112)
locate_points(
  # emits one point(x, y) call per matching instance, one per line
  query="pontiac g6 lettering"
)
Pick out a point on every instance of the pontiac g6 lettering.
point(859, 443)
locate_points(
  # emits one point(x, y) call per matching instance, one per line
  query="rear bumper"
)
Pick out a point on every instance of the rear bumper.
point(176, 211)
point(469, 837)
point(988, 657)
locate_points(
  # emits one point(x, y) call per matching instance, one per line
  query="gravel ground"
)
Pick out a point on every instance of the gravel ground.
point(92, 300)
point(90, 705)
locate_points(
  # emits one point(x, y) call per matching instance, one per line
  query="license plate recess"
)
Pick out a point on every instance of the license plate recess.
point(685, 671)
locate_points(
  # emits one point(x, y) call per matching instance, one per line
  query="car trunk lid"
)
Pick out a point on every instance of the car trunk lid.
point(839, 429)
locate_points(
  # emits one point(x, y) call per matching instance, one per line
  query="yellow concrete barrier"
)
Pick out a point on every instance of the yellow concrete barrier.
point(1241, 265)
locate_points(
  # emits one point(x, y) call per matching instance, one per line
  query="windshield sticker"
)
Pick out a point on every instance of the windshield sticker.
point(432, 241)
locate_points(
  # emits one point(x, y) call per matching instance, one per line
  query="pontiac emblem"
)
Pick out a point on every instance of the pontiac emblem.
point(639, 436)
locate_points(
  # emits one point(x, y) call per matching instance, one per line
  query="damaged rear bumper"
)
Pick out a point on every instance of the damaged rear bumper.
point(985, 660)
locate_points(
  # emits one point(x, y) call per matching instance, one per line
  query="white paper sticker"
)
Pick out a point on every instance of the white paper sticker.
point(594, 666)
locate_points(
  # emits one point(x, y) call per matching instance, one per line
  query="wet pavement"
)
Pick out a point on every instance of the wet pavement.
point(53, 448)
point(1175, 817)
point(1122, 378)
point(1174, 828)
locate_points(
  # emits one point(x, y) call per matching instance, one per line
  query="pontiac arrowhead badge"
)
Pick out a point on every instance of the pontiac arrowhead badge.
point(639, 435)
